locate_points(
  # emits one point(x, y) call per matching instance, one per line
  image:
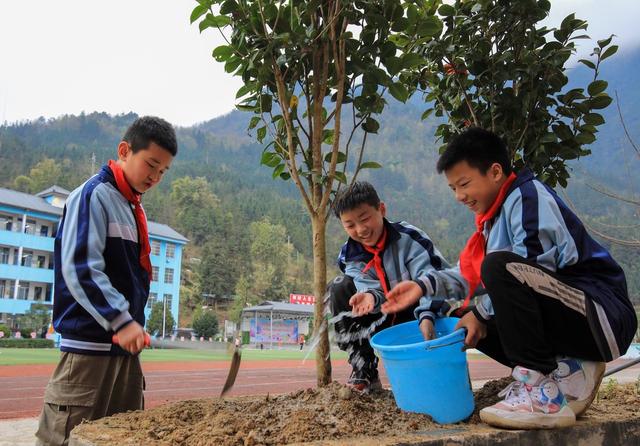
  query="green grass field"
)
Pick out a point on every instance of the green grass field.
point(24, 356)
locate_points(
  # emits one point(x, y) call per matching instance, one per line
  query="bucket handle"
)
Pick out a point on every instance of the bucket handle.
point(434, 347)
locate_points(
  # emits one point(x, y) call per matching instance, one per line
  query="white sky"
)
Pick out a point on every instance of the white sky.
point(68, 56)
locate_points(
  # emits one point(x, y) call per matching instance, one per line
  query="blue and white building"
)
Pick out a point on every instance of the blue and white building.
point(28, 225)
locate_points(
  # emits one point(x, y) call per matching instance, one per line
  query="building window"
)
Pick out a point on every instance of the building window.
point(27, 258)
point(4, 288)
point(155, 247)
point(168, 275)
point(153, 297)
point(168, 298)
point(44, 231)
point(171, 250)
point(30, 227)
point(41, 262)
point(6, 222)
point(154, 273)
point(23, 290)
point(4, 256)
point(37, 293)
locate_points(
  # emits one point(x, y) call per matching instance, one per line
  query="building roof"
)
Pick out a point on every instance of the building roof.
point(22, 200)
point(54, 190)
point(282, 307)
point(165, 231)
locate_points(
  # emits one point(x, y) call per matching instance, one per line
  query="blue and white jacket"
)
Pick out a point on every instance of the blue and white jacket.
point(536, 224)
point(409, 254)
point(100, 285)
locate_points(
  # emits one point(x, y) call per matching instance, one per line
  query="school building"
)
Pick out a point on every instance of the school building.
point(28, 225)
point(274, 324)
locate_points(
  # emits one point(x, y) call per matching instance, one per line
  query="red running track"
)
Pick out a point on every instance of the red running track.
point(22, 387)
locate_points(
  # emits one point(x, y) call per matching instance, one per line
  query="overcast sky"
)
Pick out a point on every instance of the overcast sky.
point(68, 56)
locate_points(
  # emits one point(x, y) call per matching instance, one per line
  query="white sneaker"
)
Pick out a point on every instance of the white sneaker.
point(579, 381)
point(533, 401)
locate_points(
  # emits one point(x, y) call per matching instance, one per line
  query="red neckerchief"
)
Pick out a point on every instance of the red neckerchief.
point(376, 262)
point(472, 255)
point(141, 219)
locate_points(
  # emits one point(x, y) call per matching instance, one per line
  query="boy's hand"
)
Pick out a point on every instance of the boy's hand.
point(131, 337)
point(402, 296)
point(362, 303)
point(426, 327)
point(476, 329)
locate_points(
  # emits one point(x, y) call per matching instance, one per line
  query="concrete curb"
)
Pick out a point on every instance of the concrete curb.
point(585, 433)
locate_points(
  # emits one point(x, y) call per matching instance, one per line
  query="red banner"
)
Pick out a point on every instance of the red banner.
point(305, 299)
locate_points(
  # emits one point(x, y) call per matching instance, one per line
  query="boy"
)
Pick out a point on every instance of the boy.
point(102, 276)
point(556, 305)
point(378, 255)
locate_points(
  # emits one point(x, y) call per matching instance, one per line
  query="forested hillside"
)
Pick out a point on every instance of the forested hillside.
point(250, 236)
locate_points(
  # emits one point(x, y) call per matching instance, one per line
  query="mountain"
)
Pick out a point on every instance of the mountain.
point(222, 151)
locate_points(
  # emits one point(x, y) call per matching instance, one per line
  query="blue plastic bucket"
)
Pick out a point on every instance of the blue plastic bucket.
point(430, 377)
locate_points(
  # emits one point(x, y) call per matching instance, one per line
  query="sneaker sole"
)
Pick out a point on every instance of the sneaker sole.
point(579, 407)
point(519, 420)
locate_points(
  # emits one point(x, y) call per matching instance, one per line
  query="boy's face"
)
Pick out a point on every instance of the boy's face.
point(145, 168)
point(365, 223)
point(474, 189)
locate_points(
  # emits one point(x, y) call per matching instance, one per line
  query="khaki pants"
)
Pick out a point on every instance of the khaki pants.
point(85, 387)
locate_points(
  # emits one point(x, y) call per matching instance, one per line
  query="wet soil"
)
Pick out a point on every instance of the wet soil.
point(331, 413)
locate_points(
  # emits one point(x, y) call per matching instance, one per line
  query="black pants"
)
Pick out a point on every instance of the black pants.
point(531, 329)
point(341, 289)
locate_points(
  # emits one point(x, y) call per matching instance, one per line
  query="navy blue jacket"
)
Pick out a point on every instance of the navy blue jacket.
point(100, 285)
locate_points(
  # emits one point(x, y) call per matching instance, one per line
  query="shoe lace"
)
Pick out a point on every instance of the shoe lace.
point(515, 393)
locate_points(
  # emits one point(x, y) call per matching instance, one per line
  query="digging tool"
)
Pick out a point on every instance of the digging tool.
point(621, 367)
point(233, 372)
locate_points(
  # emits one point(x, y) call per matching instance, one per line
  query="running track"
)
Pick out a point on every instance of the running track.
point(22, 387)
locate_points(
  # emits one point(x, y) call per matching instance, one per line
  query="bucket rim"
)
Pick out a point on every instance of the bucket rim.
point(448, 339)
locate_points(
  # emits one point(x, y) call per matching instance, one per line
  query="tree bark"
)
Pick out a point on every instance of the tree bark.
point(321, 326)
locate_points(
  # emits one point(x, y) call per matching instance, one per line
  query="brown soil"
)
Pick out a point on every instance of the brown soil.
point(331, 413)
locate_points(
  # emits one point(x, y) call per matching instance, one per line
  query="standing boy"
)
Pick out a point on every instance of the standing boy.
point(378, 255)
point(102, 276)
point(556, 305)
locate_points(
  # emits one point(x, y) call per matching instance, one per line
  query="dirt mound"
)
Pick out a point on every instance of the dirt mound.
point(331, 413)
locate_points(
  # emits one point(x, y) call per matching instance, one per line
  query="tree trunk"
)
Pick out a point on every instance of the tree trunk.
point(321, 326)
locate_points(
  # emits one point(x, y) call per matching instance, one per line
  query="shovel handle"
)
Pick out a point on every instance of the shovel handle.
point(147, 339)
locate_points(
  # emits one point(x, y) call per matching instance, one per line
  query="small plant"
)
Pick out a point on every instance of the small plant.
point(609, 389)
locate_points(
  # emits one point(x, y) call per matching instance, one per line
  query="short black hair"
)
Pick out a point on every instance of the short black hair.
point(148, 129)
point(350, 198)
point(480, 148)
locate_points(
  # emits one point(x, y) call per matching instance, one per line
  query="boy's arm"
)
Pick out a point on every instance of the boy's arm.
point(438, 281)
point(83, 239)
point(365, 283)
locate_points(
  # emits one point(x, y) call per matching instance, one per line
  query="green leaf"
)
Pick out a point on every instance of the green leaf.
point(262, 132)
point(341, 177)
point(327, 136)
point(198, 12)
point(371, 126)
point(585, 138)
point(411, 60)
point(593, 119)
point(426, 114)
point(265, 103)
point(609, 52)
point(277, 171)
point(370, 165)
point(285, 176)
point(268, 157)
point(399, 91)
point(341, 157)
point(597, 87)
point(430, 26)
point(604, 42)
point(588, 63)
point(563, 131)
point(600, 102)
point(254, 122)
point(446, 10)
point(222, 53)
